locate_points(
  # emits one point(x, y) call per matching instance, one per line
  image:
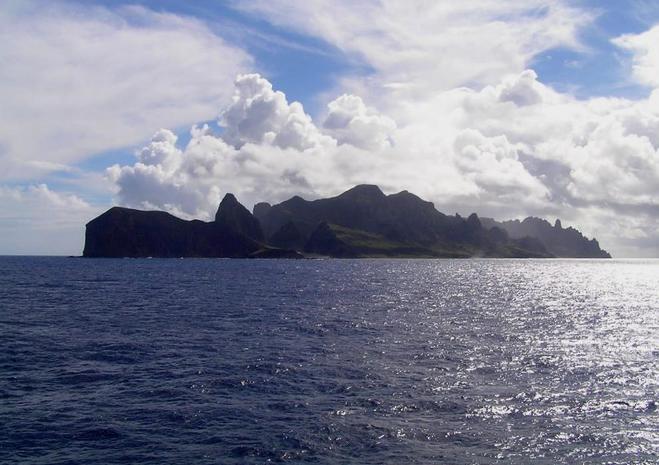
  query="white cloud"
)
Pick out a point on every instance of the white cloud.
point(522, 89)
point(259, 114)
point(36, 220)
point(164, 179)
point(76, 80)
point(512, 149)
point(459, 119)
point(645, 50)
point(415, 47)
point(608, 146)
point(350, 121)
point(161, 150)
point(493, 164)
point(361, 146)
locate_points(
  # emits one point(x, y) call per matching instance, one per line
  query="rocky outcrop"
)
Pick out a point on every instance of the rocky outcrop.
point(289, 237)
point(124, 232)
point(559, 241)
point(361, 222)
point(232, 215)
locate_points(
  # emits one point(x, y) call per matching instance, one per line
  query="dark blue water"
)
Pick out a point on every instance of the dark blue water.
point(328, 362)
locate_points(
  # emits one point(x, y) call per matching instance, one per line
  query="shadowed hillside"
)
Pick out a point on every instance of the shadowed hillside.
point(361, 222)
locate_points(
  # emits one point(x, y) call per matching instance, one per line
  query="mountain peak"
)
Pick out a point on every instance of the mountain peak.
point(234, 215)
point(261, 209)
point(364, 191)
point(228, 203)
point(229, 199)
point(361, 222)
point(559, 241)
point(474, 221)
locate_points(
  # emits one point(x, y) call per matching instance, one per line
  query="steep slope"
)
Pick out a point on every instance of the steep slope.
point(361, 222)
point(363, 207)
point(231, 214)
point(338, 241)
point(124, 232)
point(559, 241)
point(288, 236)
point(403, 220)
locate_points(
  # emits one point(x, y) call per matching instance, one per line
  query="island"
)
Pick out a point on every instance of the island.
point(362, 222)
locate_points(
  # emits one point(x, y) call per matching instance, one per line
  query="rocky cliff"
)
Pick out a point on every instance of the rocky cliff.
point(361, 222)
point(124, 232)
point(364, 222)
point(559, 241)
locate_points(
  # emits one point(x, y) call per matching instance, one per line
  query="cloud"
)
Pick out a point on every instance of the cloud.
point(608, 146)
point(522, 89)
point(164, 179)
point(79, 80)
point(259, 114)
point(447, 109)
point(161, 150)
point(355, 144)
point(414, 47)
point(511, 149)
point(350, 121)
point(493, 164)
point(616, 167)
point(645, 55)
point(36, 220)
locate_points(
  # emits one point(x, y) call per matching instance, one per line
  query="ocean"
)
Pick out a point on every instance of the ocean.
point(211, 361)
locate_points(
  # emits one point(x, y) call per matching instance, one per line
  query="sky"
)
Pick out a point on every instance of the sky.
point(507, 108)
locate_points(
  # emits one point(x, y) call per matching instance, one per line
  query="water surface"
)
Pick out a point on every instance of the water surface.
point(328, 361)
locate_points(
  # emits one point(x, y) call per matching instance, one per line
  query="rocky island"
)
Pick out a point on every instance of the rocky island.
point(362, 222)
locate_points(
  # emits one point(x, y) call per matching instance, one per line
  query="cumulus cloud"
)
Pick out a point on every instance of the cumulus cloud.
point(355, 144)
point(79, 80)
point(259, 114)
point(494, 166)
point(616, 167)
point(159, 180)
point(607, 145)
point(350, 121)
point(511, 149)
point(645, 55)
point(460, 119)
point(209, 166)
point(36, 220)
point(522, 90)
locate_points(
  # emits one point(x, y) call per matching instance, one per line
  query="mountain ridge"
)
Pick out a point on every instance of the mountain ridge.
point(358, 223)
point(560, 242)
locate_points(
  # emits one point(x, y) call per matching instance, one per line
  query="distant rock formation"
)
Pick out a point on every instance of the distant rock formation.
point(559, 241)
point(364, 222)
point(361, 222)
point(288, 236)
point(232, 215)
point(124, 232)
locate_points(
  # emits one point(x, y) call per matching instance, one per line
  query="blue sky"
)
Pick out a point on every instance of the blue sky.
point(306, 66)
point(86, 84)
point(303, 65)
point(601, 69)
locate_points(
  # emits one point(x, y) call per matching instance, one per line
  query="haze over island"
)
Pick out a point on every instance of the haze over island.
point(508, 109)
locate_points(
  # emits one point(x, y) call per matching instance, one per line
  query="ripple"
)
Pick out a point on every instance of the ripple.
point(331, 362)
